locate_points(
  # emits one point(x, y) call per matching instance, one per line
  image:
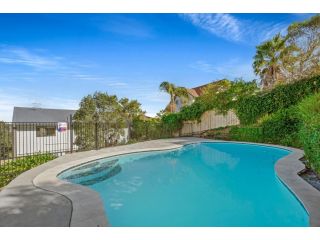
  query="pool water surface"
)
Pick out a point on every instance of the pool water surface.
point(203, 184)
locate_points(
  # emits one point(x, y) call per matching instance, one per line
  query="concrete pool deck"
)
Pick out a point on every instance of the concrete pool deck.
point(38, 198)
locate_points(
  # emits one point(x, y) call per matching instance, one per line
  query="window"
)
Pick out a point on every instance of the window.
point(46, 131)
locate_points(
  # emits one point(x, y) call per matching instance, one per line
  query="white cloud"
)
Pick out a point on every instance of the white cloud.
point(23, 56)
point(221, 25)
point(231, 28)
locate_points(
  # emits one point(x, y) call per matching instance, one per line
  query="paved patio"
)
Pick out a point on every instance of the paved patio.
point(38, 198)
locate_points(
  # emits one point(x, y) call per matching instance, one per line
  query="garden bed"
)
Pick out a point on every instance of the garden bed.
point(310, 176)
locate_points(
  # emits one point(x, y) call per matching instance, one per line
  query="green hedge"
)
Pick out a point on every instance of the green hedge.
point(250, 109)
point(246, 133)
point(172, 121)
point(282, 127)
point(148, 129)
point(297, 126)
point(309, 133)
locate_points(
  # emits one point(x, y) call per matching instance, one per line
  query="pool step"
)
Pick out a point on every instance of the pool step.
point(96, 173)
point(114, 171)
point(91, 169)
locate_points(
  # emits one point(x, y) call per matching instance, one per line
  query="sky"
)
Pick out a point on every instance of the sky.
point(53, 60)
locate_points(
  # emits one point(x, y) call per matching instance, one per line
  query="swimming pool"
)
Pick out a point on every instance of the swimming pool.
point(203, 184)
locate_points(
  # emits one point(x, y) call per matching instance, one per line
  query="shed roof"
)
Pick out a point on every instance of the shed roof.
point(25, 114)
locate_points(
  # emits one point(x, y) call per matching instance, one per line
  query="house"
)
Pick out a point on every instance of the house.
point(40, 130)
point(193, 93)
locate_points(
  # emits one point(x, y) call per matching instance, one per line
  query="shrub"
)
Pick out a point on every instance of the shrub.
point(10, 169)
point(221, 133)
point(282, 127)
point(246, 133)
point(249, 109)
point(310, 131)
point(172, 121)
point(148, 129)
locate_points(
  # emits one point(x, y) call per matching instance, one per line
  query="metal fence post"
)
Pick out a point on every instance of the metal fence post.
point(96, 135)
point(71, 133)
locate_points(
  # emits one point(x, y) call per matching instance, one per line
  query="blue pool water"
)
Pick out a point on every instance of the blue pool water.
point(205, 184)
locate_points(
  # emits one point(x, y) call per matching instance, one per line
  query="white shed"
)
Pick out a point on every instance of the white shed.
point(35, 130)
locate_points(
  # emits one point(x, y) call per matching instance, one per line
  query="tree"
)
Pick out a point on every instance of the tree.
point(161, 113)
point(304, 38)
point(130, 109)
point(174, 92)
point(268, 60)
point(99, 107)
point(292, 57)
point(109, 115)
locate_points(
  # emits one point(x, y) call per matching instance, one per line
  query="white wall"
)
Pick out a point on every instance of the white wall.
point(26, 142)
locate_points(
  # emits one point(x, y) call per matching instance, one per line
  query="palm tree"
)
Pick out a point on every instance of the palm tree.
point(268, 61)
point(174, 92)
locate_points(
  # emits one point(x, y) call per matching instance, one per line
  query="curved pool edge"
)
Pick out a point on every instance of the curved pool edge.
point(87, 206)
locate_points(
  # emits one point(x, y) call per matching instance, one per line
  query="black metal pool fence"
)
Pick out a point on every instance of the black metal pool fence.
point(24, 145)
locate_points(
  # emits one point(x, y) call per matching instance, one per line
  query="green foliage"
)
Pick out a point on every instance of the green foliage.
point(148, 129)
point(12, 168)
point(246, 133)
point(268, 60)
point(220, 97)
point(172, 121)
point(296, 126)
point(282, 127)
point(221, 133)
point(224, 98)
point(174, 92)
point(304, 37)
point(250, 108)
point(104, 118)
point(193, 111)
point(5, 141)
point(309, 133)
point(291, 57)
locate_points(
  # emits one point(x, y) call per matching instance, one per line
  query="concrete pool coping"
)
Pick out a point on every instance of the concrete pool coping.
point(84, 206)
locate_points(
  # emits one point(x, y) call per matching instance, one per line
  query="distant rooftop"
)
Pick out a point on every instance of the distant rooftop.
point(31, 114)
point(200, 90)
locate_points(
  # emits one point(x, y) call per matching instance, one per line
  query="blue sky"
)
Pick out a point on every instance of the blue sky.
point(56, 59)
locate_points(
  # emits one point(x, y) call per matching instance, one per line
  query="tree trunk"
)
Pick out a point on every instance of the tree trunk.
point(171, 104)
point(128, 121)
point(274, 76)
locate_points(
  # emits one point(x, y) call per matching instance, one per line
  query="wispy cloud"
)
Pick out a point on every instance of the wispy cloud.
point(23, 56)
point(124, 25)
point(203, 66)
point(232, 28)
point(117, 84)
point(54, 66)
point(222, 25)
